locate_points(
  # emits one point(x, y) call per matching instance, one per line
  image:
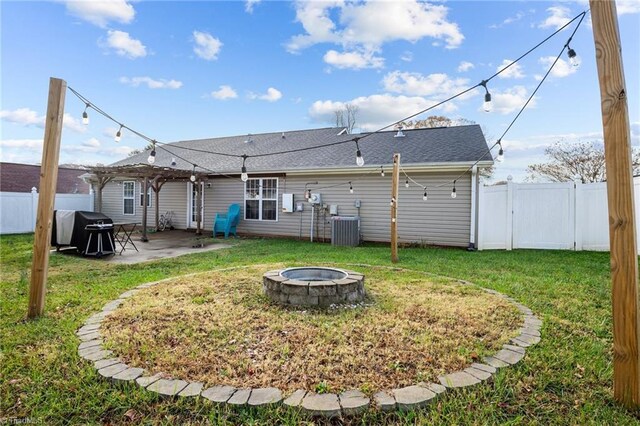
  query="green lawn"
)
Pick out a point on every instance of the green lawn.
point(566, 379)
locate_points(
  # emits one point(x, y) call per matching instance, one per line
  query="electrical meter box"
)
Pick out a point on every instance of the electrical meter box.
point(299, 206)
point(315, 199)
point(333, 209)
point(287, 203)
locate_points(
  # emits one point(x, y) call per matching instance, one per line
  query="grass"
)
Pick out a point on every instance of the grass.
point(219, 328)
point(566, 379)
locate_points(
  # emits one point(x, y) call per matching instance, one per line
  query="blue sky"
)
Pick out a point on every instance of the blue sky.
point(183, 70)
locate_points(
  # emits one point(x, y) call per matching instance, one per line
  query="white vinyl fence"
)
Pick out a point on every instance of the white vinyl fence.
point(18, 209)
point(564, 216)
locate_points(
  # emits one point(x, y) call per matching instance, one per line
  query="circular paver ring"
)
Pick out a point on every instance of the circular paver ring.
point(328, 405)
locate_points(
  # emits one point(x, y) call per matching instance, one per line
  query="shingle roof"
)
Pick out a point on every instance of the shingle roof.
point(460, 144)
point(15, 177)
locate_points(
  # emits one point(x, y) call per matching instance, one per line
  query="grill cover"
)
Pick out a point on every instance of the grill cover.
point(80, 235)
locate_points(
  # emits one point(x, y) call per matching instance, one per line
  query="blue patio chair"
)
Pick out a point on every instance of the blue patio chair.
point(226, 223)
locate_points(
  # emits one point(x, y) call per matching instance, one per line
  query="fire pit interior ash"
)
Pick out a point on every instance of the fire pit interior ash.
point(313, 286)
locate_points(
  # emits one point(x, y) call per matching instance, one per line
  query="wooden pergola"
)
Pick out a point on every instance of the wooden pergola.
point(153, 177)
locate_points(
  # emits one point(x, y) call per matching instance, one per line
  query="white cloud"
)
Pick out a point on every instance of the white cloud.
point(207, 46)
point(124, 45)
point(561, 69)
point(23, 116)
point(465, 66)
point(29, 117)
point(416, 84)
point(73, 123)
point(407, 56)
point(514, 71)
point(353, 60)
point(510, 100)
point(30, 144)
point(510, 20)
point(250, 4)
point(374, 111)
point(151, 83)
point(373, 23)
point(224, 92)
point(558, 16)
point(101, 12)
point(92, 143)
point(272, 95)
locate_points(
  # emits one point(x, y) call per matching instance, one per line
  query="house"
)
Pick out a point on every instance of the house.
point(433, 157)
point(15, 177)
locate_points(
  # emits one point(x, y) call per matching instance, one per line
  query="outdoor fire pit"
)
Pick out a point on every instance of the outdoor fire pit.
point(313, 286)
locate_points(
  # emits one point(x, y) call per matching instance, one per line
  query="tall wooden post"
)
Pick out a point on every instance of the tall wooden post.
point(622, 229)
point(145, 188)
point(48, 181)
point(395, 180)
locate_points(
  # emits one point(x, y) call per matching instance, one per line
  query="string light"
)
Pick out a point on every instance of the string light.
point(453, 191)
point(350, 188)
point(574, 59)
point(381, 171)
point(244, 176)
point(424, 196)
point(359, 158)
point(192, 178)
point(487, 97)
point(500, 157)
point(393, 201)
point(118, 134)
point(406, 183)
point(85, 116)
point(173, 162)
point(152, 154)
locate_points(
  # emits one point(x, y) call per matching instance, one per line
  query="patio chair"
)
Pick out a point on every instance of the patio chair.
point(226, 223)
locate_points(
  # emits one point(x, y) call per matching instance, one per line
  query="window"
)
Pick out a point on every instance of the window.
point(261, 199)
point(128, 191)
point(142, 195)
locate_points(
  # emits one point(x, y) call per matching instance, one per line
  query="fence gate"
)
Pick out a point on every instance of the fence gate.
point(544, 216)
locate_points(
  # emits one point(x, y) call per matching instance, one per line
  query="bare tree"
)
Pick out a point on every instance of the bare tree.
point(138, 151)
point(347, 116)
point(578, 160)
point(435, 121)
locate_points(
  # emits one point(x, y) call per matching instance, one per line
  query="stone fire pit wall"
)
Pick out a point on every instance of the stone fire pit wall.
point(281, 287)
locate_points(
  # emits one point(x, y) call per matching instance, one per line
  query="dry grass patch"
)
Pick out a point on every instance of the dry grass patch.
point(219, 328)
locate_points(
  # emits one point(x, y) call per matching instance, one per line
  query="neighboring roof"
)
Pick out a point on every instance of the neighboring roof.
point(460, 144)
point(16, 177)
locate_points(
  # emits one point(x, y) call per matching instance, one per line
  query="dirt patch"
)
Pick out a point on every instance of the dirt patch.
point(219, 328)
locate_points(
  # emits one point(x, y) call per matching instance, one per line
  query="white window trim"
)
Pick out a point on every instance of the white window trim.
point(244, 205)
point(141, 192)
point(124, 184)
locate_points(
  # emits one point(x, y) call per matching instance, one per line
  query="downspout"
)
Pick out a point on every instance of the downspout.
point(474, 208)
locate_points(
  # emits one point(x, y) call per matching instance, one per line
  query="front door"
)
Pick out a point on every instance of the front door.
point(192, 219)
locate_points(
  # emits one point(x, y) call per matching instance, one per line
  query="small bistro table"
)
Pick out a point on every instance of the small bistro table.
point(122, 234)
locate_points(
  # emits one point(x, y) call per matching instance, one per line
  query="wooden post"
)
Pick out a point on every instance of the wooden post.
point(102, 182)
point(622, 229)
point(395, 180)
point(145, 187)
point(156, 185)
point(199, 207)
point(48, 181)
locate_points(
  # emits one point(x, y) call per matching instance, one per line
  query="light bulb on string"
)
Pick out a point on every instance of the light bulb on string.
point(173, 162)
point(486, 106)
point(424, 196)
point(350, 188)
point(193, 174)
point(152, 154)
point(406, 183)
point(85, 115)
point(118, 134)
point(392, 202)
point(381, 171)
point(244, 176)
point(574, 59)
point(453, 191)
point(359, 158)
point(500, 157)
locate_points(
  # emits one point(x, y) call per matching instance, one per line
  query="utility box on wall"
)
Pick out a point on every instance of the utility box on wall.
point(287, 203)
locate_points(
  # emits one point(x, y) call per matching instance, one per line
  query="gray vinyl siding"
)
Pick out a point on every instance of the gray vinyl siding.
point(441, 220)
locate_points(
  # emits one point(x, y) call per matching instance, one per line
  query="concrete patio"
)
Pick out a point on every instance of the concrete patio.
point(161, 245)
